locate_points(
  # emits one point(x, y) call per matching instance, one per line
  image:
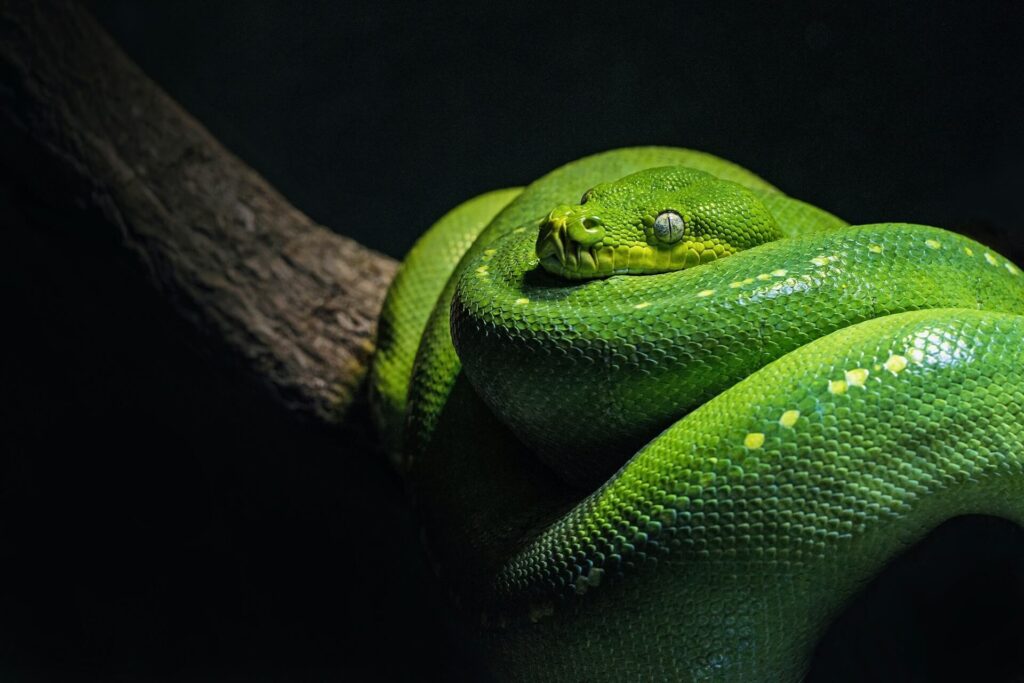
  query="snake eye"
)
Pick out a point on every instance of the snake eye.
point(669, 226)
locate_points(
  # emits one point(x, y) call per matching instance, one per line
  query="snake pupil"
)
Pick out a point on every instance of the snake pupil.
point(668, 227)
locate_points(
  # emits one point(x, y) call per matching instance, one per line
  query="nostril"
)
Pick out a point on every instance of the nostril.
point(587, 232)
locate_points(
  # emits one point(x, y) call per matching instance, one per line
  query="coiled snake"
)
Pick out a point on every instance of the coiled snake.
point(661, 420)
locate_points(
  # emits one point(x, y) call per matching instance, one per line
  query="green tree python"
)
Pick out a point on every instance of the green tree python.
point(661, 420)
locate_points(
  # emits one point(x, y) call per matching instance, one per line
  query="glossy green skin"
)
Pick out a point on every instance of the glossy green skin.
point(826, 399)
point(612, 231)
point(412, 296)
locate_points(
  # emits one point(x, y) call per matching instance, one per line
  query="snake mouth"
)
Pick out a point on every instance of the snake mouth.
point(571, 245)
point(574, 246)
point(576, 262)
point(566, 258)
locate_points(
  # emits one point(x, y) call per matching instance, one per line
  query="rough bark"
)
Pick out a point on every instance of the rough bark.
point(293, 302)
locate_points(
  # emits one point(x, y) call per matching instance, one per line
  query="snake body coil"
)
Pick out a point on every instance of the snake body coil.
point(678, 456)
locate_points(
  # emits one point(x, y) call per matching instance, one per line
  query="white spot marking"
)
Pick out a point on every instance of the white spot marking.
point(896, 364)
point(857, 377)
point(837, 386)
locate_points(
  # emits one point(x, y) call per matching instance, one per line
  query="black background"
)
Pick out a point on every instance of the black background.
point(161, 520)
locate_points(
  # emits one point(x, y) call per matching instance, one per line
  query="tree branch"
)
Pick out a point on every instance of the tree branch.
point(294, 303)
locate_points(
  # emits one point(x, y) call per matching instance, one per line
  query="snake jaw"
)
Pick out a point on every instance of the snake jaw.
point(569, 244)
point(551, 241)
point(561, 255)
point(587, 260)
point(580, 263)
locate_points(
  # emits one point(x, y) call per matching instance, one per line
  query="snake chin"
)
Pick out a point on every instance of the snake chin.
point(565, 257)
point(580, 263)
point(575, 262)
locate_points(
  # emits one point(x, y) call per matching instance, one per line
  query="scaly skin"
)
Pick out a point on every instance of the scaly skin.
point(411, 298)
point(615, 229)
point(826, 399)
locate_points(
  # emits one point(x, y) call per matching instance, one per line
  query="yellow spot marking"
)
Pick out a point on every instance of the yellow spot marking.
point(522, 301)
point(968, 251)
point(706, 292)
point(764, 276)
point(896, 364)
point(820, 260)
point(520, 229)
point(934, 244)
point(875, 248)
point(490, 252)
point(754, 440)
point(481, 271)
point(916, 355)
point(643, 304)
point(781, 272)
point(734, 285)
point(837, 386)
point(991, 259)
point(857, 377)
point(789, 418)
point(1012, 268)
point(748, 280)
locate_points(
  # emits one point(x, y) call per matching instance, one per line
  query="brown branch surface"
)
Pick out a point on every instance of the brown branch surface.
point(295, 303)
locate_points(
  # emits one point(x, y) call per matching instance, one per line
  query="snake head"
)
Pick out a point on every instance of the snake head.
point(654, 221)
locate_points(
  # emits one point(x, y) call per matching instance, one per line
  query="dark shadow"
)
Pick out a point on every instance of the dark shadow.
point(481, 498)
point(951, 608)
point(538, 278)
point(162, 519)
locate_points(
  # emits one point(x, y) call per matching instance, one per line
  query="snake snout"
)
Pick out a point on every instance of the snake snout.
point(566, 231)
point(586, 231)
point(551, 241)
